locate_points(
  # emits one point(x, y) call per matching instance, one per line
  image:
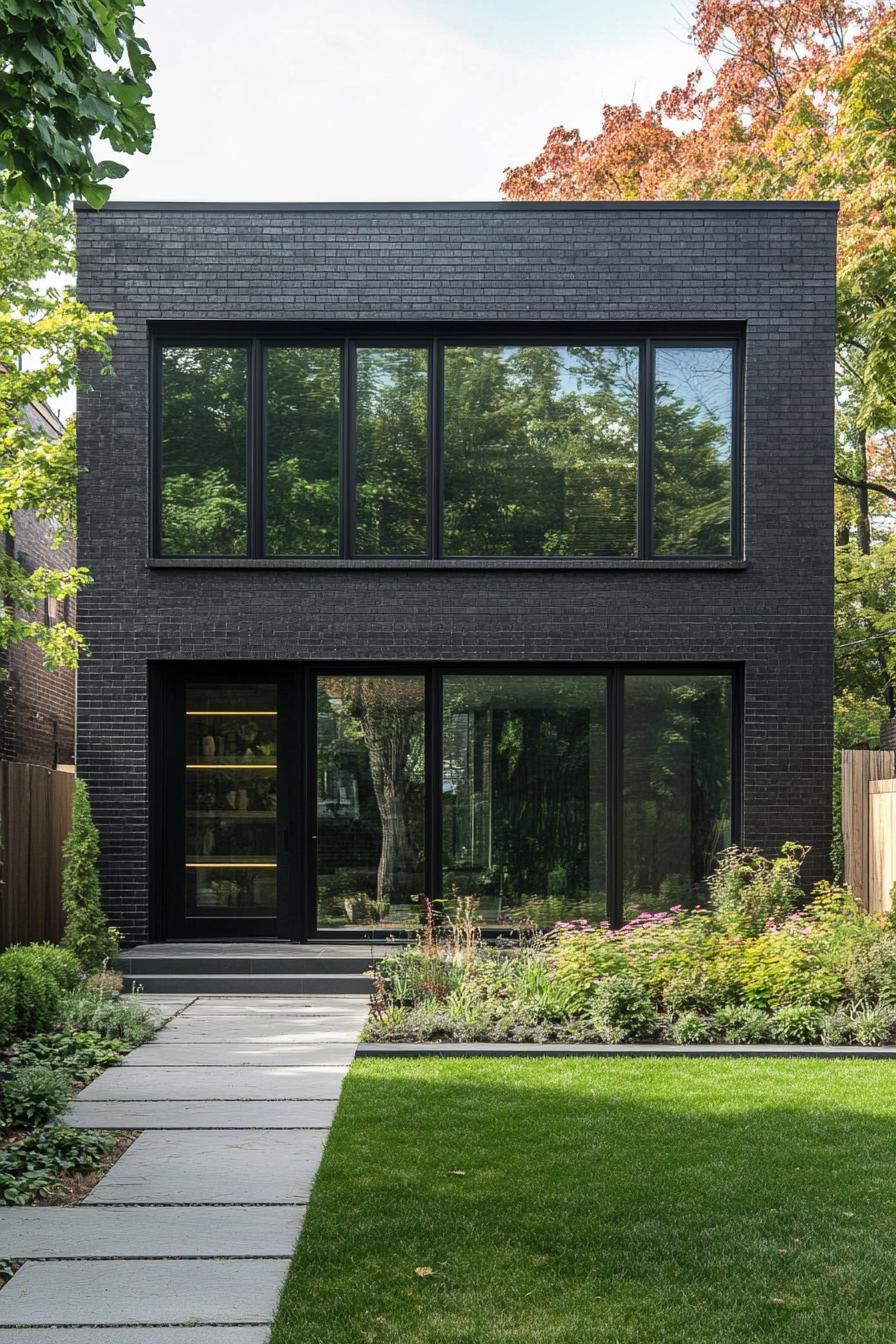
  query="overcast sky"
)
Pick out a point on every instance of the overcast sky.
point(384, 99)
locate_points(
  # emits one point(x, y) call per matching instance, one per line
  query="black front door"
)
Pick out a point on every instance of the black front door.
point(223, 785)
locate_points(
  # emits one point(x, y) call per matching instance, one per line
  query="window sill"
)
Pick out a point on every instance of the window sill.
point(541, 563)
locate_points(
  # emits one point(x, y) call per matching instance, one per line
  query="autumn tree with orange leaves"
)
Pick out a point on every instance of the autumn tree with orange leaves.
point(793, 99)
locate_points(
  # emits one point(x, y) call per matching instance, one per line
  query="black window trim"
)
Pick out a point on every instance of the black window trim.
point(298, 680)
point(257, 338)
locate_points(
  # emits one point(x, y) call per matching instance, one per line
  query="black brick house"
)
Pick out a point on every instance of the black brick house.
point(475, 550)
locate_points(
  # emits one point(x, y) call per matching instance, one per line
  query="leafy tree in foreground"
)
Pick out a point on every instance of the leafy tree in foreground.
point(43, 329)
point(71, 71)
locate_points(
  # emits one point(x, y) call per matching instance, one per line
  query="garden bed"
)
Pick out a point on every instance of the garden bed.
point(757, 967)
point(58, 1030)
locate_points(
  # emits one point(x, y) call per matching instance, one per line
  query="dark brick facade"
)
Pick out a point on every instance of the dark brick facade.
point(37, 707)
point(768, 267)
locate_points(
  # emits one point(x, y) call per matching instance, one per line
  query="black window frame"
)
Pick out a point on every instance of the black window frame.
point(297, 800)
point(257, 338)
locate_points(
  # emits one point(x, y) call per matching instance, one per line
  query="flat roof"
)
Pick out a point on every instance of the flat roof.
point(377, 207)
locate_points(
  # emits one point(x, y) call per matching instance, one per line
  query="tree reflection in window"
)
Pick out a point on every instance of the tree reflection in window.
point(391, 408)
point(203, 450)
point(540, 450)
point(692, 453)
point(302, 488)
point(370, 799)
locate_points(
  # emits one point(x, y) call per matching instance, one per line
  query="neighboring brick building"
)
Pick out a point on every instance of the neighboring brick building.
point(37, 707)
point(481, 548)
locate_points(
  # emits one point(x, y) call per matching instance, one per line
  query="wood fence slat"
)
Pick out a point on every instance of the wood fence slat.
point(35, 818)
point(881, 845)
point(858, 769)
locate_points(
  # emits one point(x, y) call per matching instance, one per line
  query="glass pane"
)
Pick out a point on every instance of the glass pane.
point(524, 805)
point(692, 491)
point(203, 437)
point(302, 499)
point(676, 787)
point(370, 800)
point(540, 450)
point(390, 446)
point(231, 822)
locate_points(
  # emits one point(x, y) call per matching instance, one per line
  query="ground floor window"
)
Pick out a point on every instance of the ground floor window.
point(297, 801)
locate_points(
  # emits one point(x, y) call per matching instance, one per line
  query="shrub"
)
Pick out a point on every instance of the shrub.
point(622, 1010)
point(34, 977)
point(836, 1028)
point(82, 1054)
point(869, 976)
point(34, 1095)
point(788, 966)
point(123, 1019)
point(87, 932)
point(873, 1026)
point(742, 1024)
point(748, 890)
point(797, 1024)
point(32, 1166)
point(579, 957)
point(691, 1029)
point(7, 1012)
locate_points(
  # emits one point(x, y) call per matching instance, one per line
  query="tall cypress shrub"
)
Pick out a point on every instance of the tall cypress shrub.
point(87, 931)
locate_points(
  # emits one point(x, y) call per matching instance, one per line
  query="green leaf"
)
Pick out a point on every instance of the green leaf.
point(96, 195)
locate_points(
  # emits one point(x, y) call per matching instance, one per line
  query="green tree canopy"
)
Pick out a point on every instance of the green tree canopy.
point(71, 71)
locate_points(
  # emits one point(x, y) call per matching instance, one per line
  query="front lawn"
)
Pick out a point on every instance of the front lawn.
point(626, 1201)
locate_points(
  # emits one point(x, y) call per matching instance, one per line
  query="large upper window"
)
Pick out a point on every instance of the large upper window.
point(436, 448)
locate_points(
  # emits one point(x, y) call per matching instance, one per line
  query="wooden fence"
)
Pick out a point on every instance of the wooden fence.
point(868, 821)
point(35, 818)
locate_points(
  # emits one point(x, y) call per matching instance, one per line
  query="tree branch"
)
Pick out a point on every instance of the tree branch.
point(842, 479)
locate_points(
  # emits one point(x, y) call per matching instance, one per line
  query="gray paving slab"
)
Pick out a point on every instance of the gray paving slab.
point(201, 1083)
point(225, 1030)
point(139, 1334)
point(143, 1292)
point(201, 1114)
point(147, 1233)
point(247, 1166)
point(161, 1053)
point(266, 1005)
point(174, 1002)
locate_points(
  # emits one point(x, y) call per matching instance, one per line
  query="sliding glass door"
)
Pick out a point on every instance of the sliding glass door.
point(370, 805)
point(524, 796)
point(294, 801)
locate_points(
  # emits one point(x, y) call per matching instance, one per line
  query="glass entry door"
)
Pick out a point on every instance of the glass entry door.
point(230, 864)
point(222, 797)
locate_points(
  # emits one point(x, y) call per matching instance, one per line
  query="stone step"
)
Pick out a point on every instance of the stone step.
point(266, 963)
point(214, 983)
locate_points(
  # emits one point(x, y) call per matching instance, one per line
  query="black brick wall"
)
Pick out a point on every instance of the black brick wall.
point(771, 268)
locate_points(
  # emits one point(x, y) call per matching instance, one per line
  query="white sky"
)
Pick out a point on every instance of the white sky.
point(384, 99)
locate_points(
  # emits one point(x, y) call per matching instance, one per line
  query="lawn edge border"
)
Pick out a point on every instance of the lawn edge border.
point(484, 1049)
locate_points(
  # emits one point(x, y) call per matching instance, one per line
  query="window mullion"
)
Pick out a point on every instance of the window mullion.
point(433, 786)
point(615, 703)
point(255, 473)
point(434, 474)
point(347, 472)
point(645, 452)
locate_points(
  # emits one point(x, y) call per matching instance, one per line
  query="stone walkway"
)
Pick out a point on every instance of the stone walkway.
point(187, 1238)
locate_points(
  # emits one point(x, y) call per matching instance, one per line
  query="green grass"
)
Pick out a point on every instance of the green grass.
point(663, 1201)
